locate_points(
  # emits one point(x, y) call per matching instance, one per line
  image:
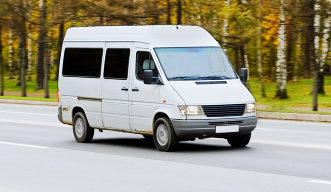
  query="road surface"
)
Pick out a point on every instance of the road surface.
point(37, 153)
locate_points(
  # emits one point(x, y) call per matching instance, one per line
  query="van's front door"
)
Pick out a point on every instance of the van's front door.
point(115, 86)
point(145, 98)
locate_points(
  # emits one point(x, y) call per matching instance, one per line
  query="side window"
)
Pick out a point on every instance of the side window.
point(145, 62)
point(82, 62)
point(117, 64)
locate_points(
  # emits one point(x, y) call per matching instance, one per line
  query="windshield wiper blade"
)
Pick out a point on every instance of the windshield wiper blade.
point(216, 77)
point(184, 78)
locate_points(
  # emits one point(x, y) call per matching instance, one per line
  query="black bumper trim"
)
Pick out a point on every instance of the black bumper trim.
point(59, 114)
point(203, 128)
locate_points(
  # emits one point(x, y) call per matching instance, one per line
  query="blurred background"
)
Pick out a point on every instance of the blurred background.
point(285, 44)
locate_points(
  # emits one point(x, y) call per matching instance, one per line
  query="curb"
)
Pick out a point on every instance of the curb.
point(259, 114)
point(294, 116)
point(28, 102)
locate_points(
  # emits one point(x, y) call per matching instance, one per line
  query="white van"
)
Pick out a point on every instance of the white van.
point(168, 83)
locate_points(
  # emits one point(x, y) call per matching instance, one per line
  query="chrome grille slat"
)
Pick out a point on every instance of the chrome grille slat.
point(224, 110)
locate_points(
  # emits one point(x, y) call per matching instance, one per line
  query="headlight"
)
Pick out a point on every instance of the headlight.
point(250, 108)
point(190, 110)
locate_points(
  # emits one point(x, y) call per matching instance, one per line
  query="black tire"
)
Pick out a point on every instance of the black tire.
point(85, 133)
point(165, 126)
point(239, 141)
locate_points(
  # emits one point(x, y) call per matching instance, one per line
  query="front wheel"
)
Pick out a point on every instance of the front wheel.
point(164, 136)
point(82, 131)
point(240, 140)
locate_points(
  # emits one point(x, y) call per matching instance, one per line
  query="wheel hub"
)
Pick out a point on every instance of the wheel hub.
point(79, 127)
point(162, 135)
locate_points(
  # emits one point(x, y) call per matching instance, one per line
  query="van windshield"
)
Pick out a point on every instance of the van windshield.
point(195, 63)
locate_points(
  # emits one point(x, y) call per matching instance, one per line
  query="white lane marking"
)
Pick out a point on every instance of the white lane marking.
point(24, 145)
point(263, 129)
point(288, 144)
point(28, 113)
point(34, 123)
point(319, 181)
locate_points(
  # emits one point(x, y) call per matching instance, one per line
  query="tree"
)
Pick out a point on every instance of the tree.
point(315, 30)
point(259, 54)
point(41, 45)
point(281, 77)
point(179, 12)
point(2, 79)
point(168, 12)
point(324, 51)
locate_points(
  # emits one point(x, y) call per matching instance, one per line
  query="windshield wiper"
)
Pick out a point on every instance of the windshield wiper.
point(222, 77)
point(184, 78)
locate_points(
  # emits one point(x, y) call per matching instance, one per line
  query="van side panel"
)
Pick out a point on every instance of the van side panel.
point(80, 91)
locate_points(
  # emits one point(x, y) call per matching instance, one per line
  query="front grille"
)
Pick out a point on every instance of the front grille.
point(224, 110)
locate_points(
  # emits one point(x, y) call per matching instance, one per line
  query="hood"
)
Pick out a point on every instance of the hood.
point(231, 92)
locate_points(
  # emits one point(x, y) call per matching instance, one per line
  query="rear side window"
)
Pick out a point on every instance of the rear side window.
point(117, 64)
point(82, 62)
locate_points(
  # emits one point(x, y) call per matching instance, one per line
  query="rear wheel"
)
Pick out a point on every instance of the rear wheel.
point(164, 136)
point(82, 131)
point(240, 140)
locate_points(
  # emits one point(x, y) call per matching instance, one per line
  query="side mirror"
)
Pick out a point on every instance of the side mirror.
point(243, 75)
point(148, 77)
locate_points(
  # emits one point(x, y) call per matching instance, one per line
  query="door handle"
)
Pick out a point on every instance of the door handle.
point(135, 89)
point(124, 89)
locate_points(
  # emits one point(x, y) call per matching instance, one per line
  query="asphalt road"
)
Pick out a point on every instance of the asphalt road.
point(37, 153)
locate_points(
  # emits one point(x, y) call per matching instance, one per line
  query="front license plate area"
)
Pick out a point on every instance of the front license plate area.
point(227, 129)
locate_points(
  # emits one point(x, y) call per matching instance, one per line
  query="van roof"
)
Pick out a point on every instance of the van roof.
point(156, 35)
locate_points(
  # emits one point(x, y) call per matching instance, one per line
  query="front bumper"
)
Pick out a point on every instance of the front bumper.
point(190, 129)
point(59, 114)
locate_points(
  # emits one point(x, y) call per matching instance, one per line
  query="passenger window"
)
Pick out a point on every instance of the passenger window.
point(145, 62)
point(82, 62)
point(117, 64)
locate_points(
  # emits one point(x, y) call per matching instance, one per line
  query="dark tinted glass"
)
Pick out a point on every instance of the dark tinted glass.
point(145, 62)
point(82, 62)
point(117, 63)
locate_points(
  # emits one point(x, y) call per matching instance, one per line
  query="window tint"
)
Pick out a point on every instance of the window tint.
point(117, 63)
point(82, 62)
point(145, 62)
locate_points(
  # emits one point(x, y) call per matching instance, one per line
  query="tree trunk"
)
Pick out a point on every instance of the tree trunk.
point(59, 47)
point(2, 79)
point(244, 62)
point(29, 55)
point(325, 46)
point(41, 45)
point(168, 12)
point(259, 55)
point(46, 71)
point(313, 28)
point(156, 12)
point(22, 48)
point(317, 25)
point(308, 11)
point(290, 39)
point(225, 29)
point(179, 12)
point(281, 79)
point(10, 55)
point(298, 56)
point(237, 60)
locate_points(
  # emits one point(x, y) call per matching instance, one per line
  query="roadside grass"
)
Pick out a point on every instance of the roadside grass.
point(11, 86)
point(299, 101)
point(300, 97)
point(28, 98)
